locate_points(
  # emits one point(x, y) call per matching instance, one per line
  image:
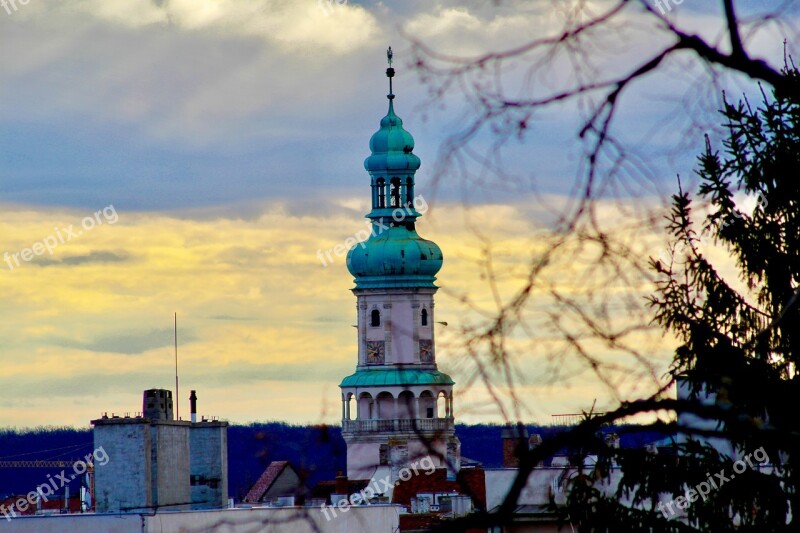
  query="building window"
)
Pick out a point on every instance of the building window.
point(424, 317)
point(409, 192)
point(375, 318)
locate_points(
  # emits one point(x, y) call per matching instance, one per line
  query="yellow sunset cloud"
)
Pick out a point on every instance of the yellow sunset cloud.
point(264, 327)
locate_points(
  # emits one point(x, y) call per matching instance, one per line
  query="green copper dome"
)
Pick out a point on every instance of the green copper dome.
point(389, 376)
point(391, 146)
point(394, 257)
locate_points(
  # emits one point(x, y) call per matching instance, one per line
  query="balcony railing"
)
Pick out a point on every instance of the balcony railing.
point(410, 425)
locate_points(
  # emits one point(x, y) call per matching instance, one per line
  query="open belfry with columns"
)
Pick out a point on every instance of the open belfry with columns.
point(397, 407)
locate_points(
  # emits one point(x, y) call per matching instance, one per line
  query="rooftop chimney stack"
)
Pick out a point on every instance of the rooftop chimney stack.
point(157, 404)
point(341, 483)
point(341, 488)
point(515, 443)
point(612, 440)
point(193, 404)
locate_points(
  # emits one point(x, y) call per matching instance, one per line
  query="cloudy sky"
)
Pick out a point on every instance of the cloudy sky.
point(204, 151)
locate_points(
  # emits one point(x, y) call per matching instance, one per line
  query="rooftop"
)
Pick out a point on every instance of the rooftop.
point(396, 376)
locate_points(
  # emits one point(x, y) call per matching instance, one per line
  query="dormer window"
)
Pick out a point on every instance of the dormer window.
point(375, 318)
point(424, 317)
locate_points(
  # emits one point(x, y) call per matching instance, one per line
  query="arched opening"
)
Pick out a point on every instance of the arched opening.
point(365, 407)
point(406, 407)
point(395, 192)
point(427, 405)
point(424, 317)
point(409, 192)
point(349, 407)
point(442, 407)
point(386, 406)
point(375, 318)
point(381, 185)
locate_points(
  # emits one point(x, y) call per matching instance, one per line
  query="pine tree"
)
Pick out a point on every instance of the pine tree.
point(743, 345)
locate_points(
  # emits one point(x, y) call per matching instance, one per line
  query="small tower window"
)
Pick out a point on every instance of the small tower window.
point(409, 192)
point(375, 318)
point(381, 184)
point(424, 317)
point(395, 192)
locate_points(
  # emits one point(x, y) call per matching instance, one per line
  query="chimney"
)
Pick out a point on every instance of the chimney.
point(341, 483)
point(534, 442)
point(612, 440)
point(157, 404)
point(341, 488)
point(515, 442)
point(193, 404)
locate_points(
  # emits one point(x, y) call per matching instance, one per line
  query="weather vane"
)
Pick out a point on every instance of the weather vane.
point(390, 73)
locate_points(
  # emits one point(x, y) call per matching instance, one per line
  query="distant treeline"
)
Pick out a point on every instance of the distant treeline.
point(318, 452)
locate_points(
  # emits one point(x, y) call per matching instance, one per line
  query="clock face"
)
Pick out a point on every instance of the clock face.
point(426, 351)
point(375, 352)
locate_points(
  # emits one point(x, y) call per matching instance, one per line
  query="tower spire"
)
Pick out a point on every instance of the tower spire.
point(390, 73)
point(403, 403)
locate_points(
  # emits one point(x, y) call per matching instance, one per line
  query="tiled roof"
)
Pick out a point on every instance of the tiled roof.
point(266, 480)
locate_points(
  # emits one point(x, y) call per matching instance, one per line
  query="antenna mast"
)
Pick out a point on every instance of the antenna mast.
point(177, 395)
point(390, 72)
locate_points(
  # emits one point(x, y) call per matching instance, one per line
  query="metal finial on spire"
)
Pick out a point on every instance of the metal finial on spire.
point(390, 72)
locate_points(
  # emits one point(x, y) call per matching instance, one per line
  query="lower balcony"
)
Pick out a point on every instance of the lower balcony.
point(398, 425)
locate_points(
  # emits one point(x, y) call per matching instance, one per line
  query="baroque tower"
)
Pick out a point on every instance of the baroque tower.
point(397, 407)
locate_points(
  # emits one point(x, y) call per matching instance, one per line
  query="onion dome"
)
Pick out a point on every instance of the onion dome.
point(391, 147)
point(395, 257)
